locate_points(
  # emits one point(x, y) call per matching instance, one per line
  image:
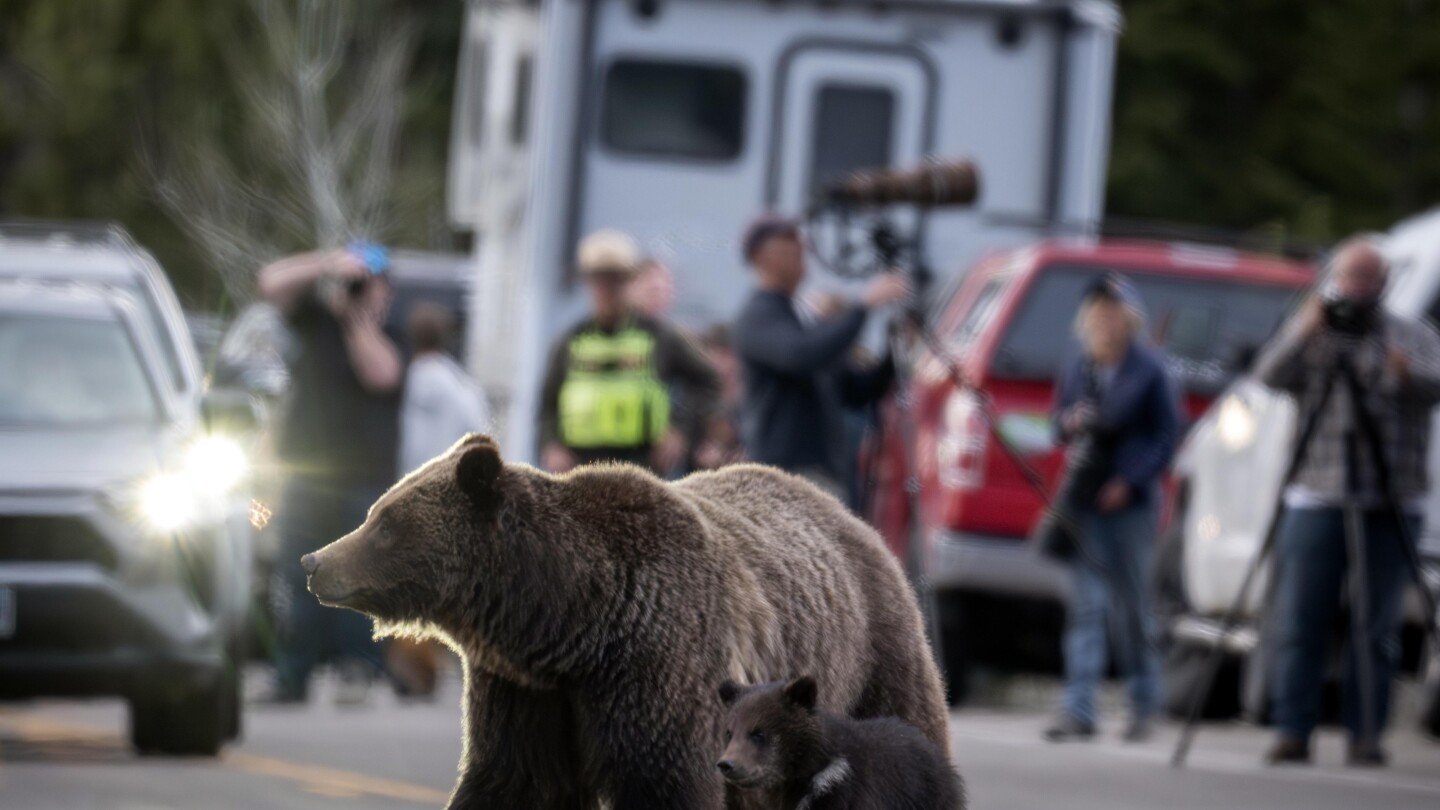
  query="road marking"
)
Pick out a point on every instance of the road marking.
point(333, 781)
point(1211, 761)
point(317, 779)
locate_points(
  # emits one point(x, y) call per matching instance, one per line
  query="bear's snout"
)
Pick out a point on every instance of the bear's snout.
point(725, 766)
point(310, 562)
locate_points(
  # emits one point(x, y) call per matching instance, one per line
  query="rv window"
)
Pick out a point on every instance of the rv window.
point(520, 113)
point(476, 77)
point(674, 109)
point(851, 130)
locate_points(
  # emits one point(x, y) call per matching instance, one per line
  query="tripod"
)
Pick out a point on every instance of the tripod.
point(1365, 429)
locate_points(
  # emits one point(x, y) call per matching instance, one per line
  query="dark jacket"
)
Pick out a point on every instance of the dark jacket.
point(797, 377)
point(1138, 416)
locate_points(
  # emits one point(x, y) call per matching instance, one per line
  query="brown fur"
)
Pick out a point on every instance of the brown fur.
point(596, 612)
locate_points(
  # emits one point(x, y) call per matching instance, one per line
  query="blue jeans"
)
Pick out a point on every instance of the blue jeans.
point(313, 514)
point(1110, 597)
point(1312, 560)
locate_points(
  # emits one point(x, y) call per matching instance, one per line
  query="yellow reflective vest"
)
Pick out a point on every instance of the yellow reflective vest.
point(612, 396)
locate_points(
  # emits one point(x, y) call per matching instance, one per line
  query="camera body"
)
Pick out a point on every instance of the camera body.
point(1351, 317)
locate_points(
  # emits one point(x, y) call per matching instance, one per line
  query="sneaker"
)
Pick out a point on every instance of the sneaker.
point(1139, 730)
point(1366, 755)
point(1069, 729)
point(1288, 751)
point(353, 686)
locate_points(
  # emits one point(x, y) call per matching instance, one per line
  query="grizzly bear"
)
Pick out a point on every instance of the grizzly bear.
point(596, 611)
point(787, 754)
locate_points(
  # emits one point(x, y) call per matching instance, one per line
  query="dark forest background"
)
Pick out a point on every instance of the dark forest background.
point(1289, 118)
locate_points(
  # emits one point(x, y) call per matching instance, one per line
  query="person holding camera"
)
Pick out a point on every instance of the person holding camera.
point(797, 366)
point(338, 443)
point(1117, 406)
point(1397, 363)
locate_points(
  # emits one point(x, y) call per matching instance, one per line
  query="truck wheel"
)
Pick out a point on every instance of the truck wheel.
point(189, 723)
point(945, 618)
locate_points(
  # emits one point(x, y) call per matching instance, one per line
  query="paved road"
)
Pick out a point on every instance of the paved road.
point(67, 755)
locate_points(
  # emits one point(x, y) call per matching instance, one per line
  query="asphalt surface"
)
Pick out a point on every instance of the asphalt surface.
point(389, 754)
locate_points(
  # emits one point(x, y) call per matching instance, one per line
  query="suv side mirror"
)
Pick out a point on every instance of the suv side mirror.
point(230, 411)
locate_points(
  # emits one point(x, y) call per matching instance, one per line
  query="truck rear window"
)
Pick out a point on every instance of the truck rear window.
point(1207, 327)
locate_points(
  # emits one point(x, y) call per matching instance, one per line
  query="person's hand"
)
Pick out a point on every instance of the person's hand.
point(557, 458)
point(346, 266)
point(667, 453)
point(1397, 362)
point(1078, 417)
point(712, 455)
point(1114, 496)
point(885, 289)
point(1309, 317)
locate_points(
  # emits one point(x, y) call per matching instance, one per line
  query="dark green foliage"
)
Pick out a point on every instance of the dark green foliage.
point(1310, 119)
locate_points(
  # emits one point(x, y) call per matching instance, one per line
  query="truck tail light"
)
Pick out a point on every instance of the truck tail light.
point(960, 450)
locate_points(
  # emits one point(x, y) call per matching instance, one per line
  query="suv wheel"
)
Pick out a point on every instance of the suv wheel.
point(194, 722)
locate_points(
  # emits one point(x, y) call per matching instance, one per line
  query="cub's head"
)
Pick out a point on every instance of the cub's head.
point(423, 544)
point(769, 730)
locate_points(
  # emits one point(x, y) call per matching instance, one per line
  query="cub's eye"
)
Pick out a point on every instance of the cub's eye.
point(757, 737)
point(728, 735)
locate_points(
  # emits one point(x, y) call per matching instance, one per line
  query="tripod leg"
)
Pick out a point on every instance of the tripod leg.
point(1409, 543)
point(1360, 646)
point(1237, 609)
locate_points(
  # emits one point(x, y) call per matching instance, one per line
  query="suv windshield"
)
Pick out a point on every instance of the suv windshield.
point(62, 371)
point(1207, 327)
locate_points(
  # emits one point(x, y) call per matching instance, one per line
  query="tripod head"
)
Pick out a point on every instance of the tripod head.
point(873, 220)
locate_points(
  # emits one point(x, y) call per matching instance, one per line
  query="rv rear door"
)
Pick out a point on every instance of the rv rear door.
point(844, 107)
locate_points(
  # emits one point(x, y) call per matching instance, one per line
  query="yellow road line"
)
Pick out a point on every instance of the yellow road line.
point(316, 779)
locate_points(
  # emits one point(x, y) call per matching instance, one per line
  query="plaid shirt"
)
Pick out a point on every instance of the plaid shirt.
point(1297, 364)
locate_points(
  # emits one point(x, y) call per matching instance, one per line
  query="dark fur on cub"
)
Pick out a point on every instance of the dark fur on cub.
point(596, 611)
point(782, 750)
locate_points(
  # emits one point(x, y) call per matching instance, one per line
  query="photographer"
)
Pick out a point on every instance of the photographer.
point(337, 441)
point(1117, 406)
point(1398, 365)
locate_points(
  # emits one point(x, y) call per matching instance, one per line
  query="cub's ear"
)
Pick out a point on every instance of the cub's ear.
point(728, 691)
point(801, 692)
point(478, 472)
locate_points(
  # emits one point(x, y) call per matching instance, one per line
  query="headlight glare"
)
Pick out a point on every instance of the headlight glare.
point(216, 463)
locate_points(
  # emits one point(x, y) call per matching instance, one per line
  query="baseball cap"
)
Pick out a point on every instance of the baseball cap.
point(607, 251)
point(1114, 287)
point(763, 228)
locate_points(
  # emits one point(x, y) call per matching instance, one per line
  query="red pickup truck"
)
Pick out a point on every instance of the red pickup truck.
point(1008, 324)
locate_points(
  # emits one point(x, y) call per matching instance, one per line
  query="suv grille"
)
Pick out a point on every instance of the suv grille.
point(40, 538)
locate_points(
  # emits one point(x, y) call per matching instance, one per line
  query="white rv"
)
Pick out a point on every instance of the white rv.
point(679, 120)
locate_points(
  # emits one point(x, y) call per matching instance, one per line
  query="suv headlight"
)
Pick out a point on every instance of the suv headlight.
point(196, 492)
point(217, 463)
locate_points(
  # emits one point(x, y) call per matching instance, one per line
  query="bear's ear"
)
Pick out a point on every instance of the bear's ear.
point(802, 692)
point(728, 691)
point(478, 472)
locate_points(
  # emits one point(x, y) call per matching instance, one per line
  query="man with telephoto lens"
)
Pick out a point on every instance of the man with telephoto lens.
point(1116, 408)
point(1397, 363)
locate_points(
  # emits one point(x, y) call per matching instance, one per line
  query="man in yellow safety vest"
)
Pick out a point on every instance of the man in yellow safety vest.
point(608, 385)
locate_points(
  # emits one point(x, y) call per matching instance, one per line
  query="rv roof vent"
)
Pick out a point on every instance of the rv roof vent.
point(1010, 31)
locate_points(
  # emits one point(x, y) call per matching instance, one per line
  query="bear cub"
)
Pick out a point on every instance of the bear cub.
point(783, 753)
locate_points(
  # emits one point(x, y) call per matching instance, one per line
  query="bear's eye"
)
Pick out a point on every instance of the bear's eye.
point(728, 735)
point(757, 737)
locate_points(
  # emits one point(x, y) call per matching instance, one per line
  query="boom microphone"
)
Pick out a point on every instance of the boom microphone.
point(932, 185)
